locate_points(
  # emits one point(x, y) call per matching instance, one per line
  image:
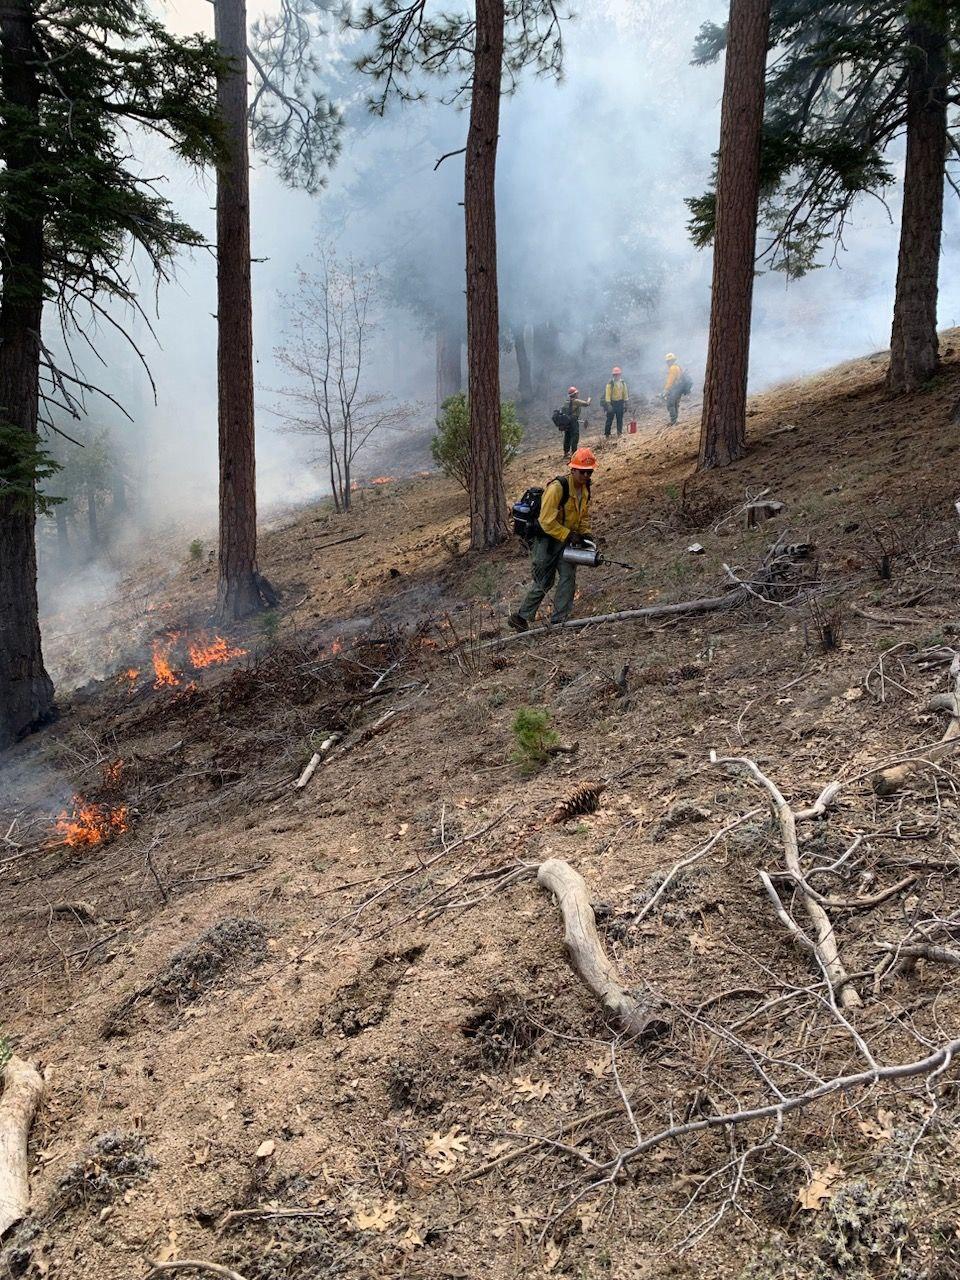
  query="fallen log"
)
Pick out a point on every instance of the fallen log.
point(587, 956)
point(710, 604)
point(891, 780)
point(22, 1091)
point(314, 760)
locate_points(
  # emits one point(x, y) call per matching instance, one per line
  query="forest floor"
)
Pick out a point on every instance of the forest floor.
point(290, 1031)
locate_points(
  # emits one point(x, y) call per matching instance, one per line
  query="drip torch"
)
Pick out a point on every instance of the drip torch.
point(590, 554)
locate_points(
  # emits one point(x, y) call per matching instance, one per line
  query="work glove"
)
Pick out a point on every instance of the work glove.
point(576, 540)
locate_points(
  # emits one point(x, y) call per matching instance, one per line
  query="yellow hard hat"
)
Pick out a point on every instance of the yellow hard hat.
point(670, 356)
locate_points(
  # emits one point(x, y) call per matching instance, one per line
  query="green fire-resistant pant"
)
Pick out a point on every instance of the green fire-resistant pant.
point(548, 563)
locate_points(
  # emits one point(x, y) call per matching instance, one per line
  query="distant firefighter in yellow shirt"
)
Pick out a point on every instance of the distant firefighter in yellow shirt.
point(676, 386)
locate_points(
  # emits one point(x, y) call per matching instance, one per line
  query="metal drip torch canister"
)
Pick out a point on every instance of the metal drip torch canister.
point(588, 554)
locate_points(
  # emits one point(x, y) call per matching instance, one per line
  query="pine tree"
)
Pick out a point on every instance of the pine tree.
point(73, 81)
point(723, 431)
point(298, 131)
point(846, 82)
point(484, 51)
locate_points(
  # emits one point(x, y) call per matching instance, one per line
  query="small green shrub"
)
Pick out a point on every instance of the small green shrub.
point(269, 623)
point(450, 447)
point(533, 737)
point(6, 1053)
point(196, 549)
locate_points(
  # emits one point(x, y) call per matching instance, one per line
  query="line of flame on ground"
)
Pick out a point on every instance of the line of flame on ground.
point(212, 653)
point(90, 824)
point(202, 651)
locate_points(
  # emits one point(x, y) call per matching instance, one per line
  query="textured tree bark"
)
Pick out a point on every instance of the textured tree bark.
point(238, 592)
point(723, 427)
point(525, 385)
point(26, 691)
point(914, 346)
point(449, 364)
point(488, 503)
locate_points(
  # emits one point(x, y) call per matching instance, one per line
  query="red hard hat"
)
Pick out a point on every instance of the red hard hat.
point(616, 371)
point(583, 460)
point(571, 391)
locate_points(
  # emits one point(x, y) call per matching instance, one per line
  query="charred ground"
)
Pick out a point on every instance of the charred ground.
point(344, 1001)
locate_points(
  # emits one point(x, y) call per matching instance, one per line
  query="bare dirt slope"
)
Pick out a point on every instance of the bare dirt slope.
point(349, 1001)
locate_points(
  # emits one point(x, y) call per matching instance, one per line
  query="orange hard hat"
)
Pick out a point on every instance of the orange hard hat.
point(571, 391)
point(583, 460)
point(617, 371)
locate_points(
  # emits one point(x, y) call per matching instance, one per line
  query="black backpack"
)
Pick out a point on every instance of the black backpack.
point(526, 512)
point(561, 420)
point(686, 384)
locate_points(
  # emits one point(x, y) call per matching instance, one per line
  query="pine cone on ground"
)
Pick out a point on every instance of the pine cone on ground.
point(585, 799)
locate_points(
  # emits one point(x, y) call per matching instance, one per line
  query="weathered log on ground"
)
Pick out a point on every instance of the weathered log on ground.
point(587, 956)
point(891, 780)
point(710, 604)
point(22, 1091)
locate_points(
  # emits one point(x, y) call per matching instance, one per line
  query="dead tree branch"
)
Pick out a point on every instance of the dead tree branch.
point(707, 605)
point(891, 780)
point(825, 941)
point(193, 1264)
point(934, 1064)
point(587, 956)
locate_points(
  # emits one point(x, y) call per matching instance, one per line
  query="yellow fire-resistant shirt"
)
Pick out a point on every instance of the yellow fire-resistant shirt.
point(615, 391)
point(673, 373)
point(576, 511)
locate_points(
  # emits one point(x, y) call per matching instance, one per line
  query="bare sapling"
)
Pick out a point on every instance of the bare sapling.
point(327, 349)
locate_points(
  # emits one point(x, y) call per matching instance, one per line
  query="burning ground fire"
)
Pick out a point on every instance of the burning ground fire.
point(90, 824)
point(213, 653)
point(203, 652)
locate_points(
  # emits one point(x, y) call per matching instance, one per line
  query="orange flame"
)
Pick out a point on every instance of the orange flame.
point(212, 654)
point(90, 824)
point(165, 677)
point(383, 480)
point(112, 773)
point(337, 646)
point(131, 674)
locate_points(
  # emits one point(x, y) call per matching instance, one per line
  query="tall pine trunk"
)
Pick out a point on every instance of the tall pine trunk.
point(238, 593)
point(914, 347)
point(525, 383)
point(488, 523)
point(26, 691)
point(449, 367)
point(723, 427)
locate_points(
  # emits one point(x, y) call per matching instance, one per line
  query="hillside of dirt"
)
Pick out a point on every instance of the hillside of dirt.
point(333, 1031)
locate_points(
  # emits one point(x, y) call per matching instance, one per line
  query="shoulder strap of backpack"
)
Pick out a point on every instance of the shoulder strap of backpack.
point(564, 482)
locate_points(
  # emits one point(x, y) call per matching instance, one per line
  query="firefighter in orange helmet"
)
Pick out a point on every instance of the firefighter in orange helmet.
point(564, 521)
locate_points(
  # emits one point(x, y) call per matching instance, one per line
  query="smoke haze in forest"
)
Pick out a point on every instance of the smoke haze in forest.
point(592, 175)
